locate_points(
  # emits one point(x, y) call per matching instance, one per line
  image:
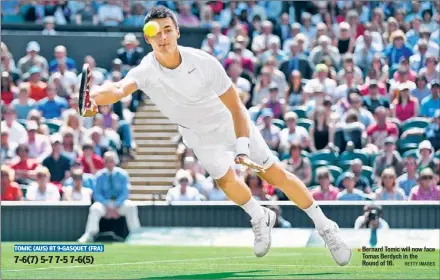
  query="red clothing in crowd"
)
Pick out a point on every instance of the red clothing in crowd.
point(407, 112)
point(29, 164)
point(98, 162)
point(7, 97)
point(12, 192)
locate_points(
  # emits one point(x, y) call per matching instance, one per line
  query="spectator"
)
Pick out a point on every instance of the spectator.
point(52, 106)
point(37, 88)
point(35, 115)
point(274, 102)
point(292, 132)
point(17, 133)
point(408, 179)
point(298, 165)
point(418, 60)
point(111, 199)
point(426, 189)
point(255, 185)
point(297, 62)
point(306, 26)
point(432, 131)
point(321, 133)
point(325, 190)
point(350, 192)
point(261, 89)
point(90, 161)
point(10, 190)
point(7, 149)
point(388, 188)
point(60, 53)
point(430, 71)
point(373, 99)
point(426, 157)
point(183, 191)
point(8, 89)
point(87, 15)
point(365, 51)
point(72, 120)
point(77, 192)
point(324, 49)
point(88, 180)
point(322, 80)
point(431, 103)
point(130, 54)
point(274, 51)
point(389, 158)
point(378, 132)
point(39, 144)
point(345, 41)
point(49, 26)
point(110, 13)
point(57, 163)
point(235, 71)
point(361, 182)
point(422, 90)
point(355, 103)
point(295, 93)
point(398, 48)
point(427, 21)
point(23, 165)
point(350, 131)
point(214, 193)
point(185, 17)
point(260, 43)
point(136, 18)
point(67, 77)
point(42, 189)
point(96, 135)
point(33, 59)
point(23, 104)
point(269, 131)
point(198, 180)
point(405, 106)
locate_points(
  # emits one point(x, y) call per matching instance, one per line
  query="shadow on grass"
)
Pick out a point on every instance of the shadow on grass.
point(239, 274)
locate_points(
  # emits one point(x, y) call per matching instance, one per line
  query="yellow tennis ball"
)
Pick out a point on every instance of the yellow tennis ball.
point(151, 29)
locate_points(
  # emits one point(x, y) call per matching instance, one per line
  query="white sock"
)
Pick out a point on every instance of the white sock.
point(253, 208)
point(315, 213)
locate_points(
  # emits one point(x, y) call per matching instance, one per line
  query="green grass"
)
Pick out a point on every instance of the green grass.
point(122, 261)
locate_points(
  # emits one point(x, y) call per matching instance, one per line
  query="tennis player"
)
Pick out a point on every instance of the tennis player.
point(192, 89)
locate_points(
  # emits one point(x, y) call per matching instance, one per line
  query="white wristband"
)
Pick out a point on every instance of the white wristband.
point(243, 145)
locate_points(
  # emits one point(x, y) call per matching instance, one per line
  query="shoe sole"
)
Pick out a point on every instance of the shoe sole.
point(273, 218)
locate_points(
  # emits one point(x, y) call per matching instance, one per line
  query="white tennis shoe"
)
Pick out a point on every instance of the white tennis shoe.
point(262, 229)
point(340, 251)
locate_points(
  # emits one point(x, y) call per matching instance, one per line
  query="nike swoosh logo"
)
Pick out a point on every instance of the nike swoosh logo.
point(189, 72)
point(264, 162)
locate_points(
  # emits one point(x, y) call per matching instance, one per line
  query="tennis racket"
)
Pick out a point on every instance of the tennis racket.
point(84, 90)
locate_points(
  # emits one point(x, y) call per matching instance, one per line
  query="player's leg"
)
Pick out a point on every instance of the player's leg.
point(96, 212)
point(297, 192)
point(130, 211)
point(215, 153)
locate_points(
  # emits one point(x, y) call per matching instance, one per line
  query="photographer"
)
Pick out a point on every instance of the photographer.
point(372, 218)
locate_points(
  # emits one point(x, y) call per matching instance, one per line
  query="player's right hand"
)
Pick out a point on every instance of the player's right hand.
point(91, 110)
point(246, 161)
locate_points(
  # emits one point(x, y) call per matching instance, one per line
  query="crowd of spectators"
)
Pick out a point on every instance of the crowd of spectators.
point(345, 93)
point(48, 151)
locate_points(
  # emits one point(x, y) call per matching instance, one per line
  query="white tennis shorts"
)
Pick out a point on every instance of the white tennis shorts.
point(216, 150)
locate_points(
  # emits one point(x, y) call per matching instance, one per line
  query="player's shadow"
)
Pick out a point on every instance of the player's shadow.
point(238, 274)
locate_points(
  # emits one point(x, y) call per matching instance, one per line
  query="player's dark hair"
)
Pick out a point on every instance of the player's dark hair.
point(160, 12)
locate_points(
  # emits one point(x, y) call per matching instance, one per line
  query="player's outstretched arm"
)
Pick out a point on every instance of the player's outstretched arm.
point(110, 93)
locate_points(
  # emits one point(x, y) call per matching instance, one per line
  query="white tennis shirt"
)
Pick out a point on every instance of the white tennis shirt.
point(189, 94)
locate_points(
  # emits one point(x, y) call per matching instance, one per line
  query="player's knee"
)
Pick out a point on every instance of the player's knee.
point(227, 181)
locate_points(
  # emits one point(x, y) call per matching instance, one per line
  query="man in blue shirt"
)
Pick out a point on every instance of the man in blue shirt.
point(52, 106)
point(111, 199)
point(431, 103)
point(350, 192)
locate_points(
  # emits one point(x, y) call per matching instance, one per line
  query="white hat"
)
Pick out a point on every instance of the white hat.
point(130, 38)
point(425, 145)
point(33, 46)
point(181, 174)
point(32, 125)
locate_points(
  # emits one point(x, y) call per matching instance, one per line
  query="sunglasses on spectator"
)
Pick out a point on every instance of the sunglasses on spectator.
point(41, 175)
point(426, 178)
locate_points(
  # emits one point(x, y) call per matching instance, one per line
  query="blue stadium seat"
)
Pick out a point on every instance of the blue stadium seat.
point(416, 122)
point(300, 111)
point(323, 158)
point(346, 157)
point(410, 142)
point(306, 123)
point(279, 123)
point(54, 126)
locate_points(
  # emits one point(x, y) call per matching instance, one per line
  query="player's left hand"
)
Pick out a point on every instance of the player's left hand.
point(246, 161)
point(91, 110)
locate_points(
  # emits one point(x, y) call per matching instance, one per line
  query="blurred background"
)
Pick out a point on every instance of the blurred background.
point(345, 93)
